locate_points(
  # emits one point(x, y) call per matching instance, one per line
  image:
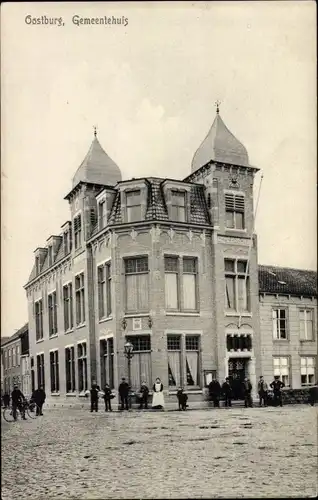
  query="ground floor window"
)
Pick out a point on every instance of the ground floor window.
point(40, 370)
point(307, 370)
point(281, 369)
point(192, 360)
point(141, 361)
point(54, 371)
point(107, 362)
point(82, 366)
point(183, 355)
point(174, 360)
point(70, 369)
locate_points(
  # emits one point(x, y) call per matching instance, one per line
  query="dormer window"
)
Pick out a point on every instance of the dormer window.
point(77, 231)
point(50, 255)
point(234, 210)
point(66, 242)
point(37, 265)
point(133, 203)
point(102, 215)
point(178, 212)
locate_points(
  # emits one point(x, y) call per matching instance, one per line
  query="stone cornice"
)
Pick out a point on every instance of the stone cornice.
point(45, 274)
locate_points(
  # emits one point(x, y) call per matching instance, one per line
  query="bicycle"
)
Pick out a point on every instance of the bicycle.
point(30, 408)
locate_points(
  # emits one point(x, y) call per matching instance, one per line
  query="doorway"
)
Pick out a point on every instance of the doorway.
point(237, 373)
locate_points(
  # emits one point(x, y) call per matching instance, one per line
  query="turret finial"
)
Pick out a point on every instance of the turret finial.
point(95, 131)
point(217, 103)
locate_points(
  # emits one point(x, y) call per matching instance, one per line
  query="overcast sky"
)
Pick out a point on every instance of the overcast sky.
point(150, 88)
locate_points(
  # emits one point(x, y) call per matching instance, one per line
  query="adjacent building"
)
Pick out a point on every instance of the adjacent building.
point(13, 350)
point(169, 265)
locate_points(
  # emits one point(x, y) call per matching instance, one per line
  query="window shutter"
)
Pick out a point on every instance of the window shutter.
point(93, 217)
point(234, 203)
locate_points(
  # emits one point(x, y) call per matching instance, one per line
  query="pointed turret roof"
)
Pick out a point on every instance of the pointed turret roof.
point(220, 145)
point(97, 167)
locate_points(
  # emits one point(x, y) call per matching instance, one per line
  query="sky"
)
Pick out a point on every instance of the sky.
point(150, 88)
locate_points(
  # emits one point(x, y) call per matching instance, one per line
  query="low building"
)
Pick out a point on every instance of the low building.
point(11, 350)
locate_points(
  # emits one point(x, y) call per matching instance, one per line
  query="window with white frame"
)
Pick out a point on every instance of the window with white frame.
point(174, 361)
point(133, 205)
point(178, 206)
point(54, 371)
point(68, 306)
point(14, 357)
point(102, 214)
point(77, 226)
point(307, 370)
point(236, 285)
point(80, 298)
point(52, 306)
point(38, 306)
point(40, 370)
point(107, 362)
point(306, 324)
point(104, 290)
point(192, 348)
point(282, 369)
point(279, 324)
point(234, 211)
point(5, 359)
point(137, 284)
point(70, 369)
point(141, 360)
point(177, 278)
point(18, 355)
point(82, 366)
point(9, 358)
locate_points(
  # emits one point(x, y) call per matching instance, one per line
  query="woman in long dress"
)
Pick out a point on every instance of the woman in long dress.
point(158, 401)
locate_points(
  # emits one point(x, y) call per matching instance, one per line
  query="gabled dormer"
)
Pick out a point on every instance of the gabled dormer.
point(105, 200)
point(40, 256)
point(133, 197)
point(178, 199)
point(67, 237)
point(53, 245)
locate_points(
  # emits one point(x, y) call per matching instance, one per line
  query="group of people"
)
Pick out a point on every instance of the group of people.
point(216, 392)
point(19, 401)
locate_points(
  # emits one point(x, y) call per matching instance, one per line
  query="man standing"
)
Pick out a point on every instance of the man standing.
point(107, 397)
point(18, 402)
point(94, 397)
point(262, 391)
point(123, 390)
point(215, 392)
point(277, 386)
point(247, 388)
point(39, 397)
point(144, 391)
point(227, 391)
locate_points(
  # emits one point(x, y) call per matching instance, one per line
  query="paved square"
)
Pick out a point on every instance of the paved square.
point(241, 452)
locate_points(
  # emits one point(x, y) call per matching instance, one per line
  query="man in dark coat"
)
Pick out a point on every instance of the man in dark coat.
point(18, 402)
point(6, 399)
point(277, 386)
point(262, 391)
point(144, 392)
point(247, 390)
point(215, 392)
point(107, 397)
point(94, 397)
point(313, 394)
point(123, 390)
point(227, 391)
point(39, 397)
point(182, 399)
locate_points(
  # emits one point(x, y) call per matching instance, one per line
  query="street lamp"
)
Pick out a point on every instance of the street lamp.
point(129, 348)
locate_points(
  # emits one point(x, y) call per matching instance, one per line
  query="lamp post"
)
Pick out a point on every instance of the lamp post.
point(129, 348)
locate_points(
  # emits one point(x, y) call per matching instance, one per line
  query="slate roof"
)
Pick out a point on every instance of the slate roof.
point(220, 145)
point(284, 280)
point(60, 254)
point(15, 336)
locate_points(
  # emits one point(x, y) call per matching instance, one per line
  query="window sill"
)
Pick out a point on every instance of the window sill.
point(104, 320)
point(70, 330)
point(238, 314)
point(233, 230)
point(81, 325)
point(55, 394)
point(53, 336)
point(306, 340)
point(39, 341)
point(181, 313)
point(136, 315)
point(281, 340)
point(71, 394)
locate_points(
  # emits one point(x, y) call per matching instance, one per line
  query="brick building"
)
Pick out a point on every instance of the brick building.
point(12, 348)
point(169, 265)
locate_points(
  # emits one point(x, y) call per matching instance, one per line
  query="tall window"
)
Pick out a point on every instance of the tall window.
point(306, 324)
point(39, 319)
point(137, 284)
point(70, 369)
point(37, 265)
point(77, 224)
point(54, 371)
point(104, 290)
point(178, 212)
point(9, 358)
point(141, 360)
point(280, 324)
point(18, 355)
point(102, 215)
point(52, 304)
point(281, 368)
point(82, 366)
point(133, 199)
point(40, 370)
point(192, 360)
point(236, 285)
point(307, 370)
point(107, 362)
point(66, 245)
point(234, 210)
point(80, 298)
point(188, 280)
point(68, 306)
point(14, 357)
point(174, 360)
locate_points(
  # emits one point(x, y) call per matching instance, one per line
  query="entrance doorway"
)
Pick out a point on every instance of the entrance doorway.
point(237, 373)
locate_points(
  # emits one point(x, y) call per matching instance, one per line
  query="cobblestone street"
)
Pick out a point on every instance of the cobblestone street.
point(216, 453)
